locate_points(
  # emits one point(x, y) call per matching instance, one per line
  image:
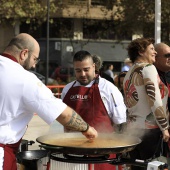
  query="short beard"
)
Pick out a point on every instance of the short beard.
point(27, 63)
point(85, 83)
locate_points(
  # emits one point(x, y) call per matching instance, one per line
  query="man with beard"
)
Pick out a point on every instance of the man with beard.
point(162, 64)
point(22, 94)
point(98, 101)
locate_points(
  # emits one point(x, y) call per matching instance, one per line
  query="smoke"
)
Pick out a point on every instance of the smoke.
point(136, 131)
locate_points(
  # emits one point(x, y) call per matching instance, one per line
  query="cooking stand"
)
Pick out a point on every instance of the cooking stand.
point(119, 160)
point(75, 148)
point(29, 159)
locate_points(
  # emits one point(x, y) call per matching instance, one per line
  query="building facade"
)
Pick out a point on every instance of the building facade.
point(77, 25)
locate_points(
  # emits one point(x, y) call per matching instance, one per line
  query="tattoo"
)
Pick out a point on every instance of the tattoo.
point(76, 123)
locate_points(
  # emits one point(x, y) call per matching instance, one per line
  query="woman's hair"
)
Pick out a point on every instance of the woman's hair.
point(98, 63)
point(138, 45)
point(121, 74)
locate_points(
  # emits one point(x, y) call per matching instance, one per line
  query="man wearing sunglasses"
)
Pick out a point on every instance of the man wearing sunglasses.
point(162, 64)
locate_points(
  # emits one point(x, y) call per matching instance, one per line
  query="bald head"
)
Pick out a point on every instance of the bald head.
point(25, 49)
point(162, 60)
point(22, 41)
point(161, 48)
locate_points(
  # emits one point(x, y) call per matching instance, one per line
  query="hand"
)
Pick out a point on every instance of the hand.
point(165, 135)
point(91, 134)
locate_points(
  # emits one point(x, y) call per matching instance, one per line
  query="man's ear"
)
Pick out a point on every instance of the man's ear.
point(24, 54)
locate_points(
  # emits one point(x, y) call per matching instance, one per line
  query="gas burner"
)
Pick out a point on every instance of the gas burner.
point(119, 160)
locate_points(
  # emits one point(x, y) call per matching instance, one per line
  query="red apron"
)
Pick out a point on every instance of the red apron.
point(10, 151)
point(88, 103)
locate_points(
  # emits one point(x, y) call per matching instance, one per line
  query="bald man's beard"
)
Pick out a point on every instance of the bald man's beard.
point(26, 63)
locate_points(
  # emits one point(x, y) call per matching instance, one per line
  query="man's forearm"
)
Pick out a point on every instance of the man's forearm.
point(76, 123)
point(73, 121)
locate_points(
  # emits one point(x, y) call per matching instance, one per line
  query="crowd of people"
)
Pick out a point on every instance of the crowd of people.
point(91, 103)
point(144, 91)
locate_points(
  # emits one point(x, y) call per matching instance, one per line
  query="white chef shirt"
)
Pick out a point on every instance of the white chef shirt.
point(21, 95)
point(111, 96)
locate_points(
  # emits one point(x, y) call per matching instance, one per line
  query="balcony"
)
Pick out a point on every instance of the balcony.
point(72, 2)
point(98, 2)
point(81, 2)
point(89, 9)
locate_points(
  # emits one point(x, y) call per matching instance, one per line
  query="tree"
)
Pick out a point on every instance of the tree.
point(24, 11)
point(140, 14)
point(130, 15)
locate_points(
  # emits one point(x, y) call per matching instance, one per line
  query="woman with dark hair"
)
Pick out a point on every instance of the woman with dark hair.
point(121, 77)
point(98, 63)
point(98, 69)
point(146, 101)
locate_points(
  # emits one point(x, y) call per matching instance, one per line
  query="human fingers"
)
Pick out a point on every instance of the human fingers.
point(166, 135)
point(91, 134)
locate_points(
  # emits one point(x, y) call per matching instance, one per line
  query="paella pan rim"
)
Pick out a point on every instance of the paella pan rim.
point(87, 150)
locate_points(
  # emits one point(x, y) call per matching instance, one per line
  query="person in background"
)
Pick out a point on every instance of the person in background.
point(107, 76)
point(127, 65)
point(23, 94)
point(98, 64)
point(162, 64)
point(97, 100)
point(98, 69)
point(121, 77)
point(109, 71)
point(146, 101)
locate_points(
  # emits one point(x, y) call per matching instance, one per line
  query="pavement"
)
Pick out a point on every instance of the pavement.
point(37, 127)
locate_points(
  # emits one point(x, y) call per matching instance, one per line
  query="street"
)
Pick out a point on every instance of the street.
point(37, 127)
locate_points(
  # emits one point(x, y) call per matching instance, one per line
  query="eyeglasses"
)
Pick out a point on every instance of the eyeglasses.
point(36, 60)
point(167, 55)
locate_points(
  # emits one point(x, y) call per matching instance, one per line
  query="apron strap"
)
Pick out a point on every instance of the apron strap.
point(10, 151)
point(96, 82)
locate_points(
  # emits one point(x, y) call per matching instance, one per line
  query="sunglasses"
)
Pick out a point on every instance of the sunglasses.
point(167, 55)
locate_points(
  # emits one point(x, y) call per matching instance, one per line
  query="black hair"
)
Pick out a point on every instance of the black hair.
point(81, 55)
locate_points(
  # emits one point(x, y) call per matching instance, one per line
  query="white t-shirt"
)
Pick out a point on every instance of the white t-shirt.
point(111, 96)
point(21, 95)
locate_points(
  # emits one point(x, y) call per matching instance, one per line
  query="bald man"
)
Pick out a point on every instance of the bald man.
point(162, 63)
point(22, 94)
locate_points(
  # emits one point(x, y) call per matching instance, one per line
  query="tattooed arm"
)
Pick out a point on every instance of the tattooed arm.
point(71, 120)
